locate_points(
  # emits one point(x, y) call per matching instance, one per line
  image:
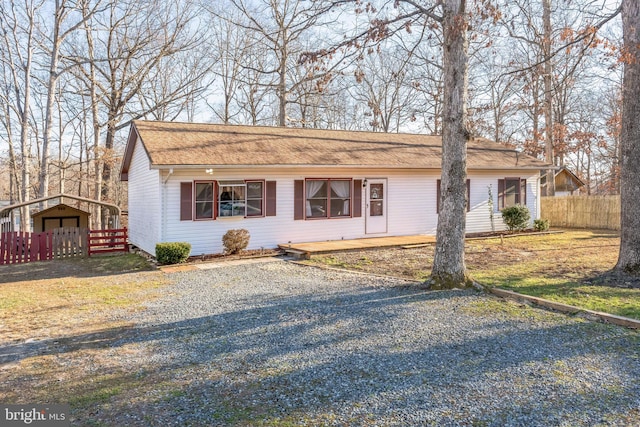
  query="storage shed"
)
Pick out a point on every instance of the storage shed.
point(58, 216)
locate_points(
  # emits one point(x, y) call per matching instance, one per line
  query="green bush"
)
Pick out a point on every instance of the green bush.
point(172, 252)
point(541, 224)
point(516, 217)
point(235, 241)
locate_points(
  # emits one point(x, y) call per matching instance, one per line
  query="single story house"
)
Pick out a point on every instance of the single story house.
point(194, 182)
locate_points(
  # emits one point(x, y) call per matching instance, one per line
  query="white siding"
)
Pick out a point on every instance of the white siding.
point(206, 236)
point(144, 202)
point(479, 218)
point(411, 204)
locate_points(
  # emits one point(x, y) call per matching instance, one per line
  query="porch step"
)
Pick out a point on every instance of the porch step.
point(296, 253)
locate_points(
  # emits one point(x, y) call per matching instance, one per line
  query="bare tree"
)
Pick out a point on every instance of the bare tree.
point(452, 18)
point(548, 95)
point(387, 88)
point(137, 38)
point(17, 58)
point(63, 11)
point(282, 26)
point(449, 268)
point(629, 257)
point(232, 45)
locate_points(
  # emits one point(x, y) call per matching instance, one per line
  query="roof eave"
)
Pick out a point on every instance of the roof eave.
point(359, 166)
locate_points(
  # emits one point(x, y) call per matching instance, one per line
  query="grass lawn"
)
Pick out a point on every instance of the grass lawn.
point(58, 307)
point(559, 267)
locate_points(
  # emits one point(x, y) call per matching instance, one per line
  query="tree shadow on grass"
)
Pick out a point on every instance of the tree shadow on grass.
point(102, 265)
point(353, 356)
point(615, 279)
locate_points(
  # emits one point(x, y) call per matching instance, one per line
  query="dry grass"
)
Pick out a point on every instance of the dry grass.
point(561, 267)
point(53, 331)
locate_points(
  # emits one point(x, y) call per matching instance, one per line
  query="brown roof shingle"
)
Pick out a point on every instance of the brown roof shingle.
point(210, 145)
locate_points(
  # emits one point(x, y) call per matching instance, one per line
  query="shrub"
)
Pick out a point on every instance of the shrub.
point(172, 252)
point(516, 217)
point(541, 224)
point(235, 241)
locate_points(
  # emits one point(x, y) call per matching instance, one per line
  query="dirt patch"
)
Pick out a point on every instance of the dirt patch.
point(578, 255)
point(55, 299)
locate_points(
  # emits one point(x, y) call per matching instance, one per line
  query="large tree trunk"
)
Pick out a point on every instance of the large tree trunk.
point(449, 268)
point(629, 257)
point(107, 169)
point(282, 91)
point(548, 97)
point(25, 147)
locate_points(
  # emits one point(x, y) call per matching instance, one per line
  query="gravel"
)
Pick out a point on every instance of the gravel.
point(276, 343)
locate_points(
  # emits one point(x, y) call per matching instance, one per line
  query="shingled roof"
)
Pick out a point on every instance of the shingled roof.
point(170, 144)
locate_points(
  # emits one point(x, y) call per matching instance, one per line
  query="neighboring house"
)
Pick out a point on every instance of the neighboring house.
point(567, 183)
point(193, 182)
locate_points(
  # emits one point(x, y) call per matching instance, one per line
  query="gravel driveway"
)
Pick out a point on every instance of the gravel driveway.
point(275, 343)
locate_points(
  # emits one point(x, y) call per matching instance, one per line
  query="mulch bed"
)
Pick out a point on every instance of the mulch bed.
point(256, 253)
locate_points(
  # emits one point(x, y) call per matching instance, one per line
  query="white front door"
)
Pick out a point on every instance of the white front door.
point(376, 206)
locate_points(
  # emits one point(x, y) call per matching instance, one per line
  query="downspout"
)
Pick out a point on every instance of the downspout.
point(163, 202)
point(168, 176)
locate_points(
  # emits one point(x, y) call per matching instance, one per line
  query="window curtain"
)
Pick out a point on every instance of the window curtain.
point(313, 187)
point(342, 189)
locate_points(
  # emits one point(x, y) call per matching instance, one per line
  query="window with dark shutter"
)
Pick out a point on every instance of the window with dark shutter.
point(511, 191)
point(501, 186)
point(255, 198)
point(271, 198)
point(186, 201)
point(298, 199)
point(205, 206)
point(357, 198)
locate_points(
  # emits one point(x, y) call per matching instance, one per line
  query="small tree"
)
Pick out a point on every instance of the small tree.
point(490, 204)
point(516, 217)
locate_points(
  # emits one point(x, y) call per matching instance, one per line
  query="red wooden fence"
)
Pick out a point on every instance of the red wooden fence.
point(103, 241)
point(20, 247)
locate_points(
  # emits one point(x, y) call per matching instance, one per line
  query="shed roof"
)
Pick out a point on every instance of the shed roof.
point(171, 144)
point(55, 208)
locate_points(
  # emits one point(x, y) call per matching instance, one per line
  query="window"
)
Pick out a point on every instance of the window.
point(511, 191)
point(255, 198)
point(204, 200)
point(328, 198)
point(241, 198)
point(211, 199)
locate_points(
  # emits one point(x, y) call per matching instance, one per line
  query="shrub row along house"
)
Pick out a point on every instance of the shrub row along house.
point(194, 182)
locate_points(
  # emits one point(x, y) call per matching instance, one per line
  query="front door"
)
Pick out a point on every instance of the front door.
point(376, 206)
